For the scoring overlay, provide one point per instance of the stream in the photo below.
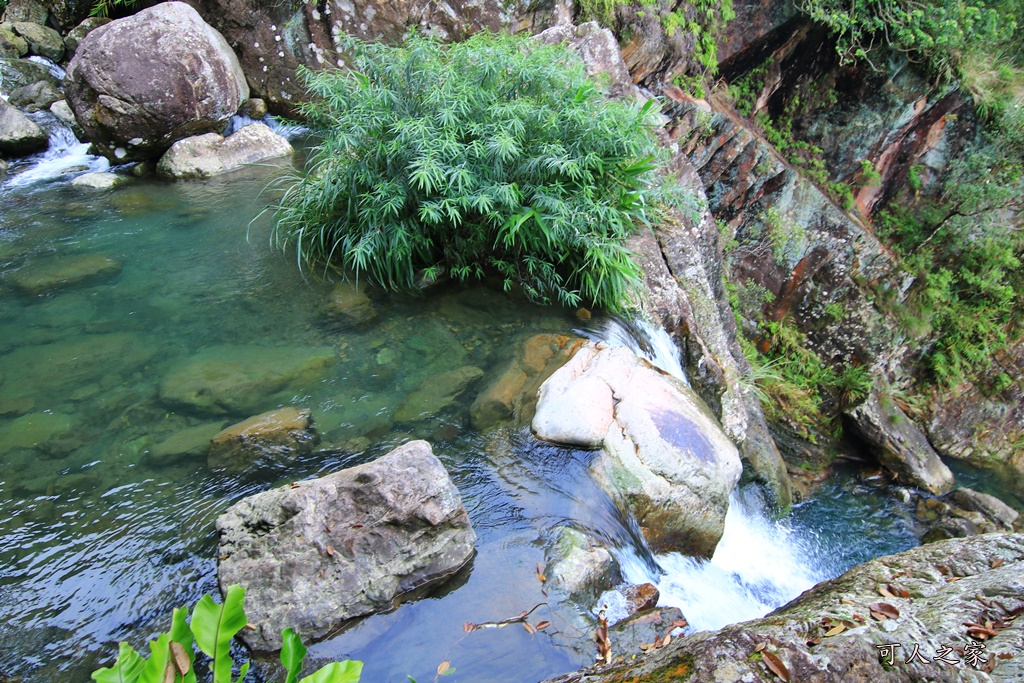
(106, 520)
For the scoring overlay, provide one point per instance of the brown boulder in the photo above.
(139, 84)
(275, 435)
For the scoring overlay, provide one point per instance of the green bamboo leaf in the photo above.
(215, 625)
(292, 654)
(348, 671)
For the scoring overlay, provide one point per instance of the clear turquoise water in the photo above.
(100, 535)
(99, 538)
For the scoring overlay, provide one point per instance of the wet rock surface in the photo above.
(139, 84)
(19, 135)
(318, 552)
(663, 452)
(946, 584)
(277, 436)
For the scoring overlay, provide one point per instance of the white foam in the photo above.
(760, 564)
(64, 159)
(646, 341)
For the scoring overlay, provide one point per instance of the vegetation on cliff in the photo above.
(492, 156)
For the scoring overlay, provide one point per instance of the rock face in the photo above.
(19, 135)
(273, 39)
(277, 435)
(17, 73)
(988, 569)
(12, 46)
(662, 450)
(349, 303)
(579, 565)
(316, 553)
(41, 40)
(203, 156)
(899, 445)
(98, 181)
(237, 380)
(139, 84)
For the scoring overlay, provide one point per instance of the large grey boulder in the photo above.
(316, 553)
(138, 85)
(663, 452)
(203, 156)
(19, 135)
(900, 446)
(76, 35)
(975, 580)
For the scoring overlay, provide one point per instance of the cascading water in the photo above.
(65, 157)
(761, 562)
(643, 339)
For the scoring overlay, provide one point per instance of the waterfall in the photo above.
(289, 131)
(65, 158)
(643, 339)
(759, 564)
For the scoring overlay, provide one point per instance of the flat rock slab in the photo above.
(238, 380)
(316, 553)
(40, 277)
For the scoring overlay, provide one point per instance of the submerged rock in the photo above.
(276, 435)
(47, 275)
(139, 84)
(225, 380)
(34, 430)
(437, 392)
(19, 135)
(899, 445)
(204, 156)
(349, 303)
(975, 580)
(512, 394)
(318, 552)
(184, 443)
(663, 453)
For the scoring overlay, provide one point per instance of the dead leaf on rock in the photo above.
(776, 666)
(543, 625)
(760, 646)
(813, 641)
(443, 667)
(835, 630)
(1004, 655)
(646, 646)
(898, 592)
(884, 592)
(997, 563)
(884, 609)
(530, 628)
(846, 601)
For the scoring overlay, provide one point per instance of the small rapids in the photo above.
(64, 159)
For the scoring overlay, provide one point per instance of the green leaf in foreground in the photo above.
(348, 671)
(292, 654)
(214, 626)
